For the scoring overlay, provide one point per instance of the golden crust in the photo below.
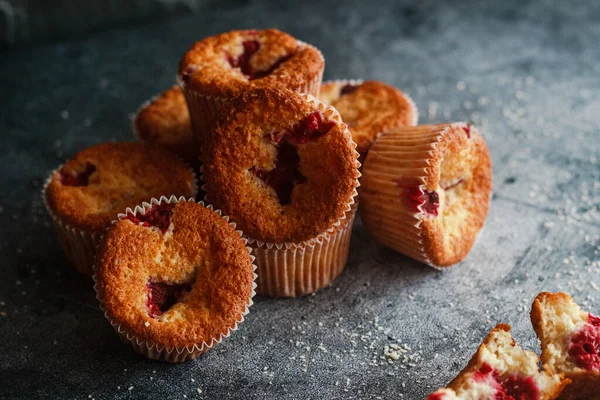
(126, 174)
(165, 121)
(237, 144)
(214, 76)
(475, 361)
(201, 247)
(450, 162)
(369, 109)
(585, 384)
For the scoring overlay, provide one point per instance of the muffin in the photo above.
(174, 278)
(369, 108)
(165, 121)
(283, 166)
(221, 67)
(501, 370)
(425, 191)
(84, 195)
(570, 340)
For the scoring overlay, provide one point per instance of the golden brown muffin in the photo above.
(220, 67)
(165, 121)
(234, 62)
(86, 193)
(425, 191)
(281, 165)
(97, 183)
(175, 276)
(501, 370)
(570, 340)
(369, 108)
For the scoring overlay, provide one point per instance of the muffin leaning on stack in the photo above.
(283, 166)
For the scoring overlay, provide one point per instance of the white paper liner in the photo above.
(154, 350)
(204, 109)
(80, 245)
(301, 259)
(383, 213)
(303, 268)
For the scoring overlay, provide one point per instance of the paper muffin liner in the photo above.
(204, 109)
(298, 269)
(289, 269)
(80, 245)
(156, 351)
(403, 161)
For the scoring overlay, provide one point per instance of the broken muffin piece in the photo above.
(501, 370)
(570, 339)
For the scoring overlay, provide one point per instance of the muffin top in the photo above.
(176, 274)
(165, 121)
(89, 190)
(369, 108)
(281, 164)
(236, 61)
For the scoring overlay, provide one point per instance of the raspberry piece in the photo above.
(347, 89)
(512, 387)
(585, 345)
(80, 179)
(467, 130)
(162, 296)
(158, 216)
(243, 61)
(286, 174)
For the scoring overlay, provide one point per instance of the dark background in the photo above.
(526, 72)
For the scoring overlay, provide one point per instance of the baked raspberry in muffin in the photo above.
(425, 191)
(220, 67)
(165, 121)
(369, 108)
(86, 193)
(174, 278)
(283, 166)
(570, 340)
(501, 370)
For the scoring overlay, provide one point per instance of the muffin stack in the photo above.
(278, 154)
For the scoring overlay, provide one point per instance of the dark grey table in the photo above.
(527, 72)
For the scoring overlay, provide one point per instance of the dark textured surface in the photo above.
(527, 72)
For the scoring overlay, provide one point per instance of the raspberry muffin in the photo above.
(501, 370)
(369, 108)
(165, 121)
(425, 191)
(570, 343)
(221, 67)
(85, 194)
(174, 278)
(283, 166)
